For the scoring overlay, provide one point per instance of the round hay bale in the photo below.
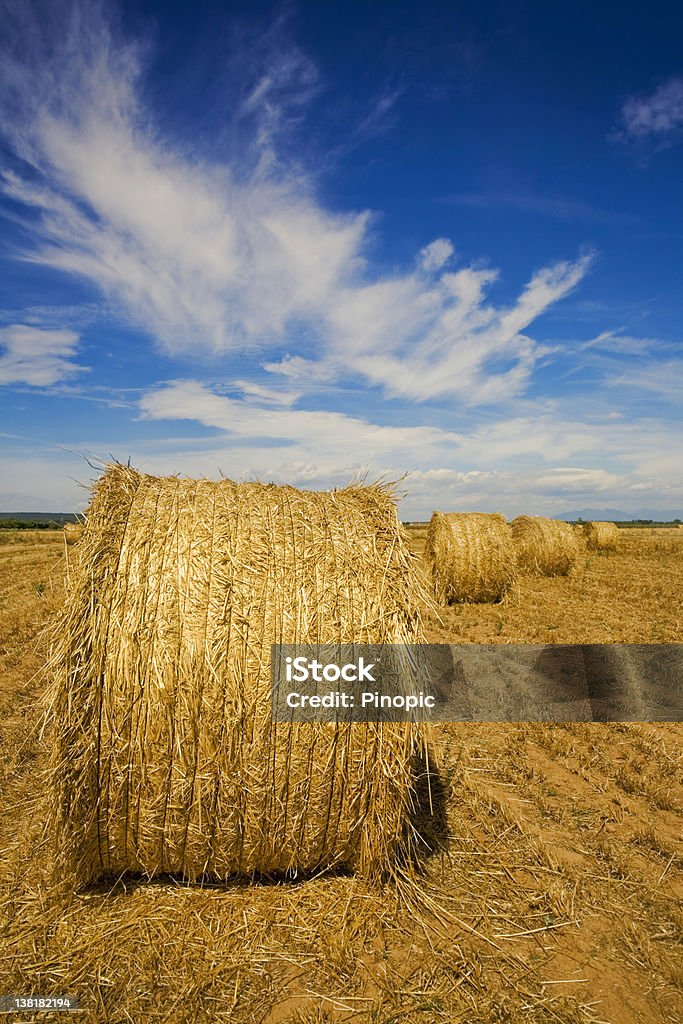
(601, 536)
(547, 547)
(166, 759)
(73, 532)
(470, 556)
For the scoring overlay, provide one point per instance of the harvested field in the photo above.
(631, 595)
(556, 898)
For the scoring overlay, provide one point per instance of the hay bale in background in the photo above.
(579, 537)
(166, 759)
(73, 532)
(470, 556)
(545, 546)
(601, 536)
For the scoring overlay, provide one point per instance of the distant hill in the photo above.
(617, 515)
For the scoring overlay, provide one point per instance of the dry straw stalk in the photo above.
(601, 536)
(470, 556)
(544, 546)
(166, 759)
(73, 532)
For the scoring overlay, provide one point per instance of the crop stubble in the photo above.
(557, 898)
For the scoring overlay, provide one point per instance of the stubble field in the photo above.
(630, 596)
(553, 892)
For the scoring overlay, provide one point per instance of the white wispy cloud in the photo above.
(558, 456)
(436, 254)
(286, 80)
(657, 116)
(622, 344)
(268, 395)
(233, 255)
(422, 339)
(557, 451)
(561, 479)
(378, 118)
(337, 437)
(190, 251)
(663, 379)
(76, 317)
(36, 356)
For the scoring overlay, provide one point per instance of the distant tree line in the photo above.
(634, 523)
(30, 524)
(36, 521)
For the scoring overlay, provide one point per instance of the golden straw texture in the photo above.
(166, 759)
(601, 536)
(547, 547)
(72, 532)
(470, 556)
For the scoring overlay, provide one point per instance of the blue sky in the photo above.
(309, 241)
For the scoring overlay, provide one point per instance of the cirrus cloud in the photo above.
(37, 356)
(238, 253)
(656, 117)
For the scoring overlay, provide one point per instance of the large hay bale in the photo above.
(547, 547)
(470, 556)
(601, 536)
(166, 758)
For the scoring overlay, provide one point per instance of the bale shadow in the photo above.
(428, 818)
